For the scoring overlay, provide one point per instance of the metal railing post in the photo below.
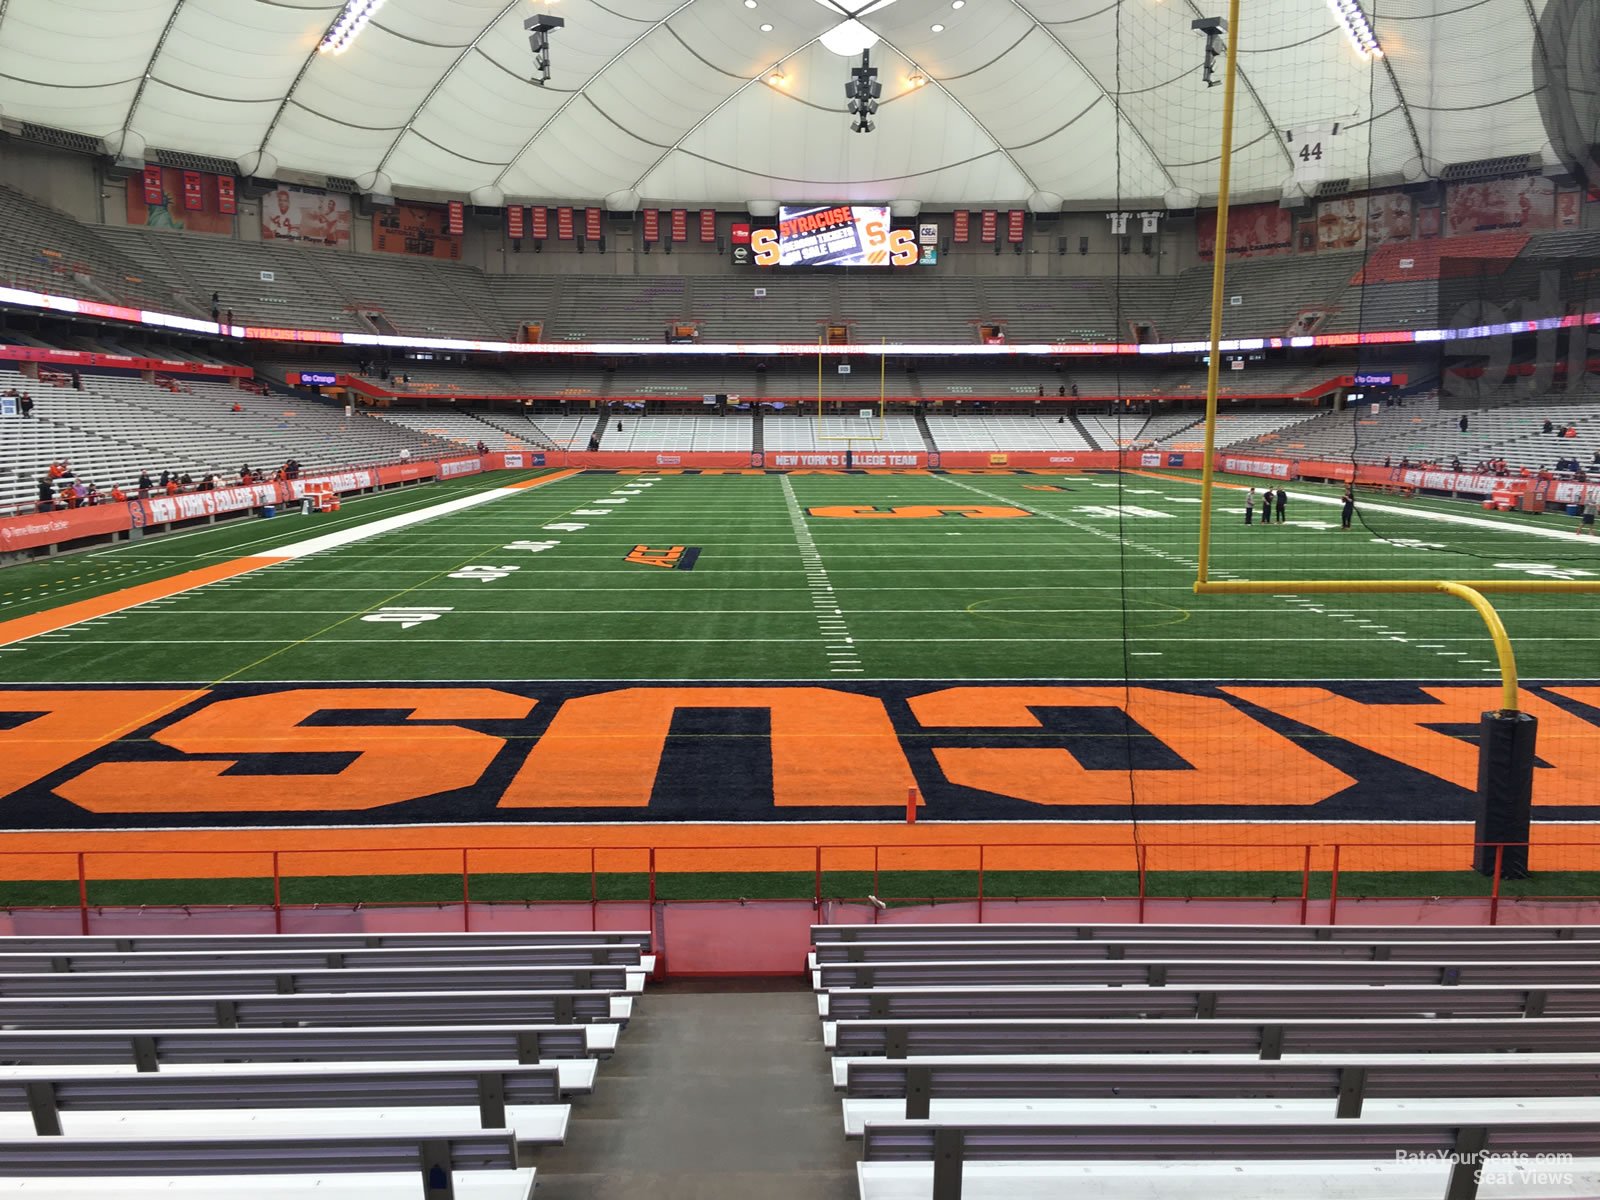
(1305, 886)
(1494, 895)
(1333, 888)
(277, 896)
(83, 897)
(466, 894)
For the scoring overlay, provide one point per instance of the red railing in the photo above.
(1141, 864)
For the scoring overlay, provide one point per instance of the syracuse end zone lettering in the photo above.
(914, 512)
(576, 752)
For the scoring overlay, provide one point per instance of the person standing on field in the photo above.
(1266, 507)
(1250, 507)
(1347, 508)
(1282, 503)
(1586, 524)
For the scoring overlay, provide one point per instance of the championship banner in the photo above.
(652, 224)
(1528, 203)
(680, 224)
(458, 218)
(988, 220)
(1014, 225)
(591, 224)
(708, 224)
(514, 222)
(963, 226)
(564, 224)
(415, 229)
(539, 222)
(167, 201)
(297, 215)
(227, 202)
(1254, 231)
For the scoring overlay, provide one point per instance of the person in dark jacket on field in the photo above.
(1281, 503)
(1347, 507)
(1266, 507)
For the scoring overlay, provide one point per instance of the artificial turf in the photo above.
(1088, 580)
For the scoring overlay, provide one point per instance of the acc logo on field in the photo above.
(673, 558)
(912, 512)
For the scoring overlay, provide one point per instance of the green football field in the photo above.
(1092, 582)
(580, 586)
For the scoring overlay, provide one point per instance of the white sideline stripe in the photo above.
(344, 537)
(1428, 514)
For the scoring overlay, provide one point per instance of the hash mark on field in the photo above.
(830, 618)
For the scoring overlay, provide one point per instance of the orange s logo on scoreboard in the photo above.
(903, 251)
(912, 512)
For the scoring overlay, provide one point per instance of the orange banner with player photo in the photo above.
(1528, 203)
(186, 204)
(1353, 222)
(299, 215)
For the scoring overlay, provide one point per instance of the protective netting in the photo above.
(1464, 458)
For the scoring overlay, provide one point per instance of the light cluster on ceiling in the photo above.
(1213, 28)
(539, 29)
(352, 19)
(863, 91)
(1356, 27)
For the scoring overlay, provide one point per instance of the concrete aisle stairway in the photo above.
(718, 1094)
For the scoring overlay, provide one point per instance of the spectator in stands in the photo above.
(25, 404)
(170, 487)
(79, 494)
(91, 495)
(166, 477)
(1074, 390)
(1347, 506)
(1387, 461)
(483, 446)
(1549, 425)
(245, 474)
(1062, 390)
(1250, 507)
(619, 426)
(1281, 503)
(186, 481)
(144, 485)
(594, 442)
(47, 494)
(1455, 463)
(1462, 424)
(118, 496)
(77, 382)
(237, 407)
(1041, 389)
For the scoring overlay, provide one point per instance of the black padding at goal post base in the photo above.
(1505, 792)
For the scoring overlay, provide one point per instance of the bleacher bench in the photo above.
(383, 958)
(324, 981)
(337, 1008)
(1270, 1039)
(1347, 1082)
(1455, 1151)
(1144, 949)
(97, 1162)
(918, 932)
(1400, 1000)
(1122, 973)
(158, 1049)
(177, 943)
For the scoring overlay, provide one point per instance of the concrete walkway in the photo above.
(713, 1093)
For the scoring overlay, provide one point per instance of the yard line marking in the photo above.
(830, 621)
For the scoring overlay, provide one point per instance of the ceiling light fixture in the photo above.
(917, 79)
(958, 4)
(766, 29)
(352, 19)
(1357, 28)
(938, 28)
(777, 79)
(863, 91)
(539, 30)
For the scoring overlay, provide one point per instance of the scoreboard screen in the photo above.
(833, 235)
